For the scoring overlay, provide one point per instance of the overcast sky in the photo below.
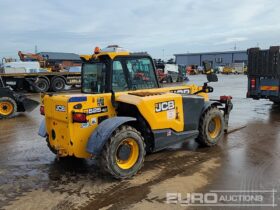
(158, 27)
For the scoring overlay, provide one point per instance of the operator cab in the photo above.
(116, 69)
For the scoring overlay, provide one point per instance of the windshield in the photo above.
(141, 72)
(93, 80)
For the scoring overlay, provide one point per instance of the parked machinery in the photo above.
(35, 73)
(12, 102)
(168, 72)
(264, 74)
(35, 57)
(192, 69)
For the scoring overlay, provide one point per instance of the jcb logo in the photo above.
(181, 91)
(60, 108)
(164, 106)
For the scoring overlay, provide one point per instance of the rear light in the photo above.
(225, 98)
(42, 110)
(79, 117)
(253, 83)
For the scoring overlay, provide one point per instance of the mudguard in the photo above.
(207, 104)
(102, 133)
(42, 129)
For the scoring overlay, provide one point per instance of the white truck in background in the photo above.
(27, 75)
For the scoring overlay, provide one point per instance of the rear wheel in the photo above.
(123, 154)
(211, 127)
(42, 85)
(8, 107)
(57, 84)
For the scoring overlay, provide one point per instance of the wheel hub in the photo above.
(42, 86)
(59, 85)
(124, 152)
(212, 126)
(6, 108)
(127, 153)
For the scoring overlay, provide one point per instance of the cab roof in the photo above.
(112, 51)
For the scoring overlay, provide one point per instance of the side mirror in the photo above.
(212, 77)
(207, 66)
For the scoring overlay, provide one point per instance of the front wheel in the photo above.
(211, 127)
(123, 154)
(8, 107)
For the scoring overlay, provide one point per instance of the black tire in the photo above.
(57, 84)
(8, 107)
(109, 160)
(211, 127)
(42, 85)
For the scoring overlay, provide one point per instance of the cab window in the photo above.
(93, 78)
(119, 82)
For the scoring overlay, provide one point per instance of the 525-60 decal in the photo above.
(97, 110)
(164, 106)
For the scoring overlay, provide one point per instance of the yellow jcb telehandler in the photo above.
(122, 113)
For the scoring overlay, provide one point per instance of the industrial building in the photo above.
(215, 58)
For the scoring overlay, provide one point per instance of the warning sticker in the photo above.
(171, 114)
